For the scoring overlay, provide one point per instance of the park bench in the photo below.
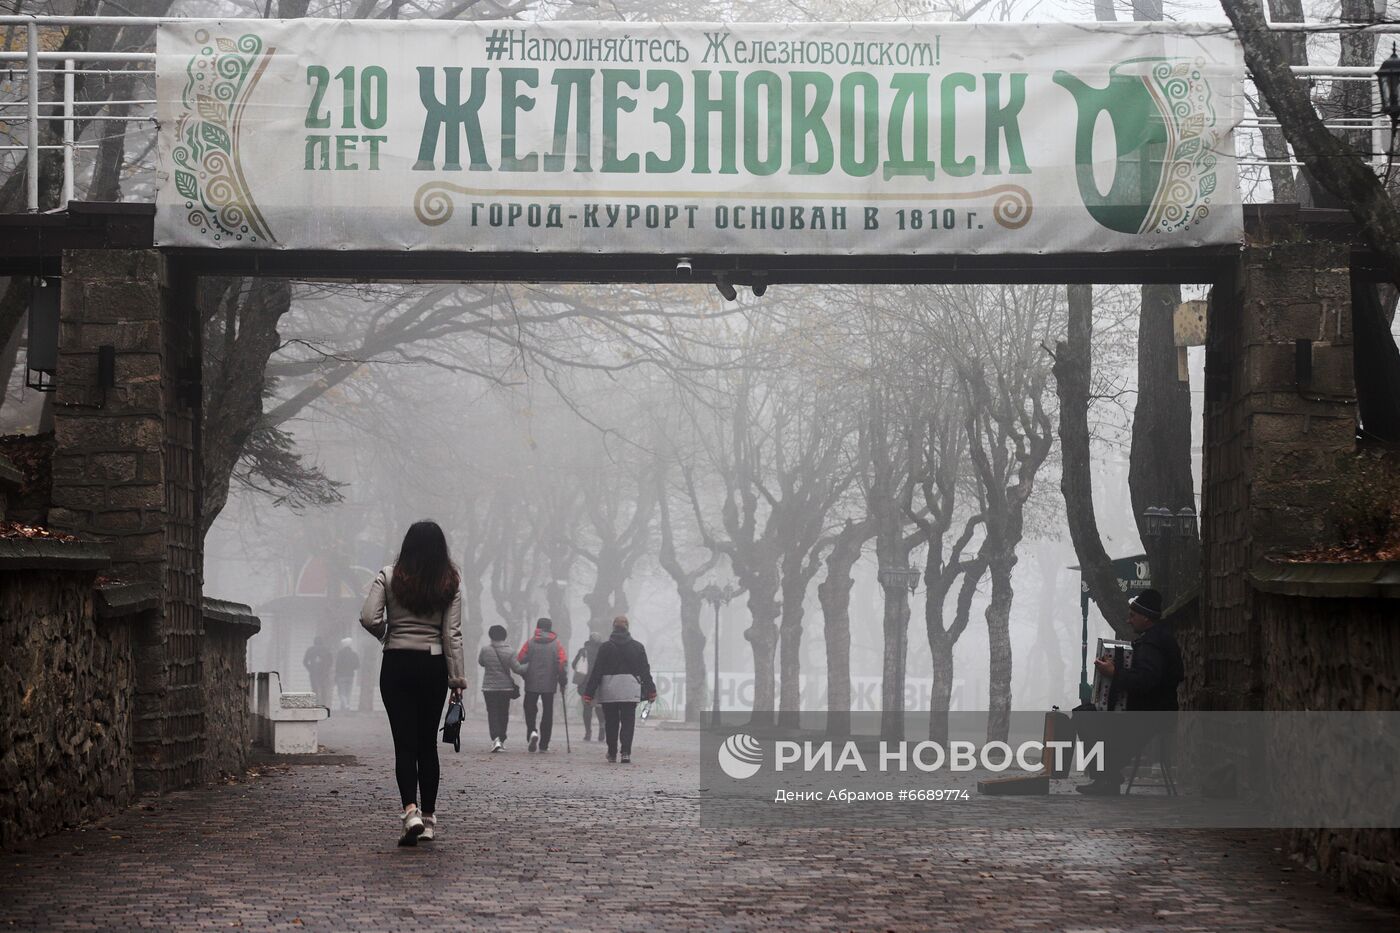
(283, 722)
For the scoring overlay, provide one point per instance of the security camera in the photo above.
(683, 266)
(726, 289)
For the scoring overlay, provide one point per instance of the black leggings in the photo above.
(414, 687)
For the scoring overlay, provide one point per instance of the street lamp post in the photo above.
(717, 596)
(1173, 532)
(1388, 79)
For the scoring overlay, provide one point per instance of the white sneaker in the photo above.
(429, 826)
(497, 745)
(534, 741)
(412, 828)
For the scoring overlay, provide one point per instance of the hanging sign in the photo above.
(584, 137)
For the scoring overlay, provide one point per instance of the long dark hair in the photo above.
(425, 581)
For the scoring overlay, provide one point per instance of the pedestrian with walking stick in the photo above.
(546, 670)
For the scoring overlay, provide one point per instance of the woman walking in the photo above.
(415, 609)
(498, 688)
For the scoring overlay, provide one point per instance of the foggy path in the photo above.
(567, 841)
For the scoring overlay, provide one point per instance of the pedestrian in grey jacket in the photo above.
(498, 687)
(548, 672)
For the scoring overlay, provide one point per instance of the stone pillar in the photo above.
(124, 472)
(1272, 444)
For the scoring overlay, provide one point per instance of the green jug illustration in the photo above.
(1140, 147)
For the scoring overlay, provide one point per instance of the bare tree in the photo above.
(687, 580)
(1009, 438)
(618, 506)
(1073, 373)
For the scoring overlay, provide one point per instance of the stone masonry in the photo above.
(1272, 444)
(124, 473)
(1281, 453)
(65, 704)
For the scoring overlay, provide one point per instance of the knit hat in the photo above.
(1147, 603)
(544, 625)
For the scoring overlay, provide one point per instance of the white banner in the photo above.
(684, 139)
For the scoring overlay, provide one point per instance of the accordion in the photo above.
(1105, 696)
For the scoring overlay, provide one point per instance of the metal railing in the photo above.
(71, 63)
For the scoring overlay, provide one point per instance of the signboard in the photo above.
(1134, 575)
(579, 137)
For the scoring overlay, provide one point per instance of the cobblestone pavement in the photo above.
(568, 841)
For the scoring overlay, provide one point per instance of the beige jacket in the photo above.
(397, 627)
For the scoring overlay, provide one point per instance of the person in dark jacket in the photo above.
(546, 671)
(347, 662)
(498, 662)
(620, 679)
(318, 662)
(1149, 682)
(583, 666)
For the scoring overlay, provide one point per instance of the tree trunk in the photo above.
(693, 645)
(473, 617)
(1281, 177)
(999, 641)
(238, 342)
(834, 594)
(1159, 460)
(794, 587)
(1072, 379)
(762, 635)
(557, 599)
(940, 646)
(1049, 662)
(892, 670)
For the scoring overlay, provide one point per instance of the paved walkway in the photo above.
(556, 841)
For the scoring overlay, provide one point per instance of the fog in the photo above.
(555, 432)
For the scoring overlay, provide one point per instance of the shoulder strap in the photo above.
(505, 668)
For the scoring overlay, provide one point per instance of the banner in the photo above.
(582, 137)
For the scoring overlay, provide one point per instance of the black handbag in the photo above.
(505, 668)
(452, 725)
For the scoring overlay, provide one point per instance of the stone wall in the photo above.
(1280, 468)
(227, 732)
(1272, 443)
(1337, 654)
(65, 704)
